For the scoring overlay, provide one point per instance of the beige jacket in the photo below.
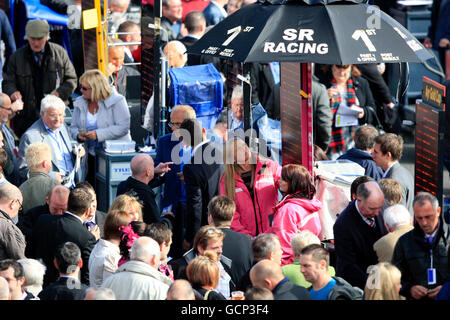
(384, 247)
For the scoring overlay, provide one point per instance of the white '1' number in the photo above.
(365, 38)
(235, 31)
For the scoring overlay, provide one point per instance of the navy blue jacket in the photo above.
(213, 14)
(172, 183)
(365, 160)
(354, 239)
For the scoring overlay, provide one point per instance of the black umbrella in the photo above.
(320, 31)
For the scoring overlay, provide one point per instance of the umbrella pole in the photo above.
(296, 114)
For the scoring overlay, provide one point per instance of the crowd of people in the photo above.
(229, 221)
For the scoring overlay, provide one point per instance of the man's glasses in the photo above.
(9, 109)
(174, 124)
(20, 204)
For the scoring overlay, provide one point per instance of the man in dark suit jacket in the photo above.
(137, 185)
(357, 228)
(195, 23)
(56, 204)
(68, 262)
(96, 218)
(220, 214)
(54, 230)
(267, 274)
(201, 176)
(174, 193)
(362, 152)
(387, 153)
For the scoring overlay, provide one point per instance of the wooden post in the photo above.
(296, 114)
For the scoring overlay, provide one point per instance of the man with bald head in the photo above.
(175, 52)
(170, 148)
(268, 274)
(142, 172)
(139, 278)
(12, 240)
(55, 203)
(357, 228)
(180, 290)
(7, 112)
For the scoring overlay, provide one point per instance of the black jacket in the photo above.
(412, 257)
(179, 267)
(145, 195)
(28, 221)
(64, 289)
(34, 82)
(286, 290)
(362, 90)
(354, 239)
(53, 230)
(212, 295)
(202, 184)
(237, 247)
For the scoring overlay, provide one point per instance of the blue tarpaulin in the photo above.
(32, 9)
(201, 87)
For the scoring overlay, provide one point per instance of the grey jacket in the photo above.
(12, 240)
(36, 189)
(406, 180)
(38, 133)
(321, 115)
(343, 290)
(113, 120)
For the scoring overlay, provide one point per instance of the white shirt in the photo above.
(366, 220)
(81, 220)
(128, 53)
(103, 262)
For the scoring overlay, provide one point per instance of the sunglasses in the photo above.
(214, 230)
(84, 88)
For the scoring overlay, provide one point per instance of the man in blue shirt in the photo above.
(314, 262)
(50, 129)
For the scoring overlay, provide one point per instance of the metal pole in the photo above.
(157, 67)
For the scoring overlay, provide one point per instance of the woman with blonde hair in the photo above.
(251, 181)
(99, 114)
(383, 283)
(128, 204)
(203, 274)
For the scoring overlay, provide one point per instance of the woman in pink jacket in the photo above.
(252, 182)
(297, 211)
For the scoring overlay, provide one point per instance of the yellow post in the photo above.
(95, 52)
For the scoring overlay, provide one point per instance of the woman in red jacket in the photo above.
(297, 211)
(252, 182)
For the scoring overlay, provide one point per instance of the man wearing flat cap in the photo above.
(38, 68)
